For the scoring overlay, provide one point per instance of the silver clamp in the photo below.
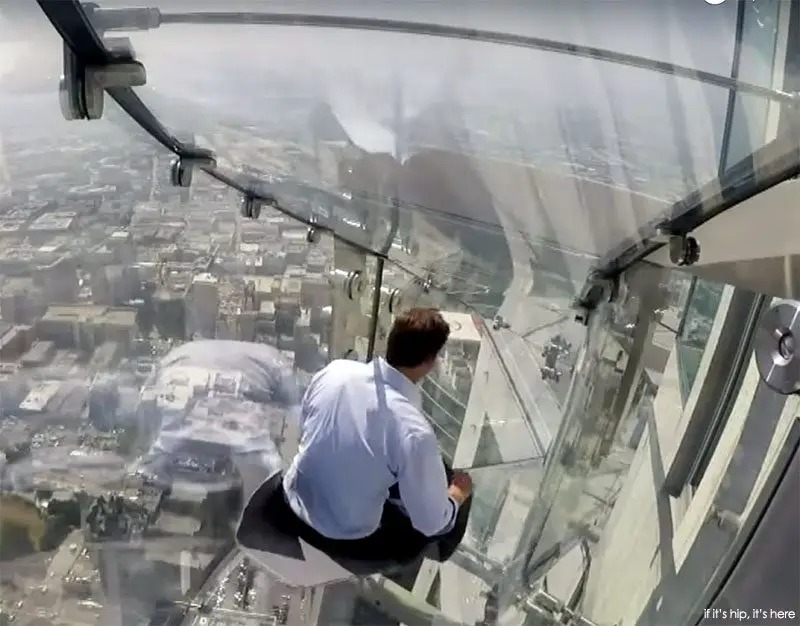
(250, 205)
(549, 609)
(314, 232)
(684, 250)
(725, 520)
(425, 284)
(596, 290)
(182, 168)
(776, 344)
(391, 300)
(81, 88)
(349, 283)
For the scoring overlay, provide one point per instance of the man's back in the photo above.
(358, 423)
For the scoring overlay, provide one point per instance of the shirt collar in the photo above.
(399, 382)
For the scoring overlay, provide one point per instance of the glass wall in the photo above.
(137, 311)
(695, 329)
(758, 26)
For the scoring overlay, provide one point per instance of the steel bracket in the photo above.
(250, 205)
(351, 284)
(684, 250)
(597, 290)
(82, 87)
(550, 609)
(182, 168)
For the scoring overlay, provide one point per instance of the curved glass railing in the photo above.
(391, 159)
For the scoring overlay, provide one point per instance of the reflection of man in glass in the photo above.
(368, 481)
(209, 408)
(213, 403)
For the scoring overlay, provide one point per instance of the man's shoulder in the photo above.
(344, 364)
(343, 368)
(339, 373)
(410, 420)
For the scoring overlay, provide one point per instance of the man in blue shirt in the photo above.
(368, 481)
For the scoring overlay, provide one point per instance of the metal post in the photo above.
(348, 284)
(376, 307)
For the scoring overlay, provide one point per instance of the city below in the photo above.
(107, 267)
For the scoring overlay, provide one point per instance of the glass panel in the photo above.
(602, 534)
(70, 290)
(491, 155)
(268, 286)
(670, 572)
(468, 398)
(706, 48)
(481, 426)
(701, 309)
(608, 408)
(118, 492)
(118, 431)
(502, 497)
(679, 288)
(748, 116)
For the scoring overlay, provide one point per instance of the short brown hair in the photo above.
(417, 336)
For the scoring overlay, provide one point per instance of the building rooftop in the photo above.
(205, 277)
(462, 327)
(38, 397)
(90, 313)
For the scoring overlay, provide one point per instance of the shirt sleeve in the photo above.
(423, 487)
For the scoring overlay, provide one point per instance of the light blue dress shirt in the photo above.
(362, 431)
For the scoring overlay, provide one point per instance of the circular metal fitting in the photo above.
(351, 284)
(93, 99)
(80, 100)
(354, 286)
(684, 250)
(777, 348)
(313, 235)
(249, 207)
(391, 300)
(68, 100)
(181, 173)
(395, 301)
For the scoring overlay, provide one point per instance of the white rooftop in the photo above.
(462, 327)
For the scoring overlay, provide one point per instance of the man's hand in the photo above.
(461, 487)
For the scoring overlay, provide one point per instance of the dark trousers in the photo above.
(394, 540)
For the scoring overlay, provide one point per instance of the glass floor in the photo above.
(175, 173)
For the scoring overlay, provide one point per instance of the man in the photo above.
(363, 435)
